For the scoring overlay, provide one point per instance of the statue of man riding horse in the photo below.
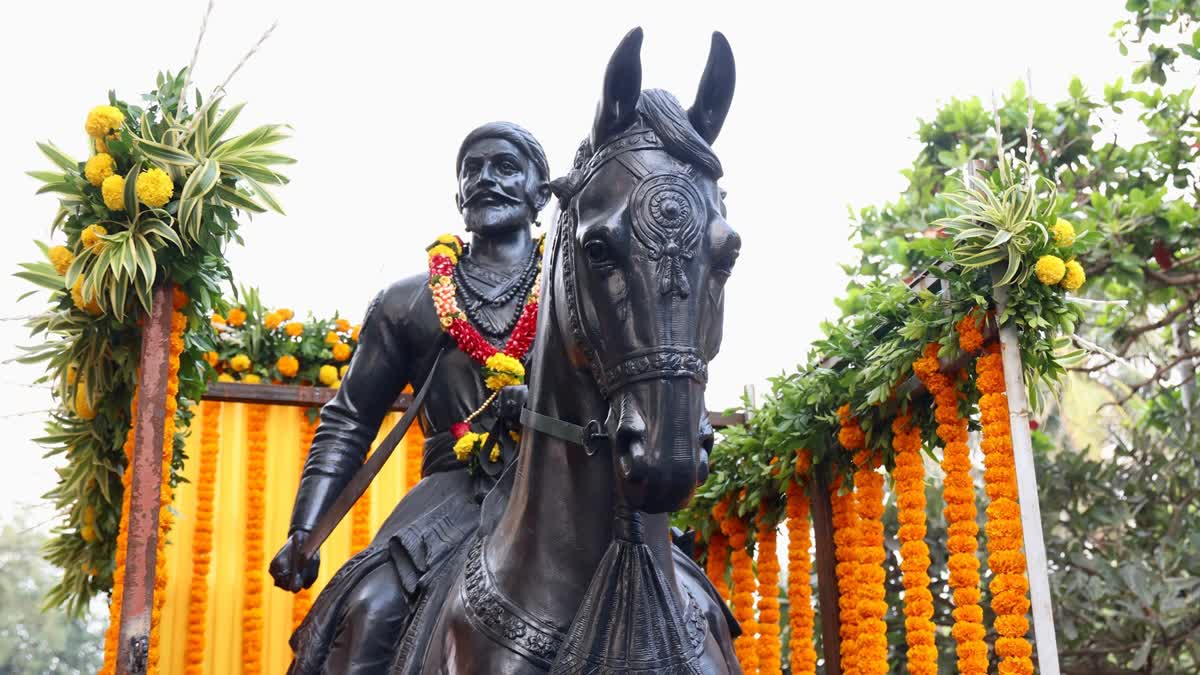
(557, 558)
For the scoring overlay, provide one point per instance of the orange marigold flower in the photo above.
(341, 351)
(294, 329)
(288, 365)
(237, 317)
(331, 338)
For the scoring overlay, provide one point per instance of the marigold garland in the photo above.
(718, 563)
(744, 587)
(252, 611)
(909, 475)
(961, 528)
(302, 600)
(872, 647)
(112, 635)
(206, 484)
(799, 584)
(1005, 559)
(846, 539)
(770, 656)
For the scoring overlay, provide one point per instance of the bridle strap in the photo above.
(590, 437)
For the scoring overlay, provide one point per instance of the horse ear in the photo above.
(622, 89)
(716, 90)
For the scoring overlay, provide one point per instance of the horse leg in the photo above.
(366, 639)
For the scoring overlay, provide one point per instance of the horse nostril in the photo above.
(632, 460)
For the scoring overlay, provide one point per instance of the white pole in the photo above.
(1031, 512)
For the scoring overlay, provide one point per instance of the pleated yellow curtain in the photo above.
(226, 576)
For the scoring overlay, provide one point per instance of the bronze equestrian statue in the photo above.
(354, 625)
(572, 569)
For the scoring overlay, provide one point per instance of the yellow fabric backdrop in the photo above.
(225, 579)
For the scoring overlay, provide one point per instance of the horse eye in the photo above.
(596, 250)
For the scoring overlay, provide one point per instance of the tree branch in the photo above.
(1169, 317)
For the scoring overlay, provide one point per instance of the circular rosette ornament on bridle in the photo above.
(667, 212)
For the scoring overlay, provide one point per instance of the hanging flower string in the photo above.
(744, 587)
(871, 658)
(206, 485)
(846, 539)
(909, 475)
(718, 562)
(799, 584)
(962, 531)
(770, 657)
(112, 635)
(1009, 584)
(256, 480)
(501, 368)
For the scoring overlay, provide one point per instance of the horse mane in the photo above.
(659, 111)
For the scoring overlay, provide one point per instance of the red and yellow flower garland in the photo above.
(744, 587)
(800, 609)
(914, 552)
(1009, 584)
(302, 600)
(112, 635)
(252, 597)
(206, 484)
(770, 657)
(961, 528)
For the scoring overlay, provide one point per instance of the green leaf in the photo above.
(47, 176)
(59, 157)
(132, 208)
(222, 125)
(202, 180)
(238, 199)
(164, 153)
(263, 194)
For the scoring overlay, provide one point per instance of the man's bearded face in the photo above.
(496, 185)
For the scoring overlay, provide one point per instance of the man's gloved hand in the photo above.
(289, 569)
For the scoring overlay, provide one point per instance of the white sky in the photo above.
(380, 95)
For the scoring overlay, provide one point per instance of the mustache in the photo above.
(487, 192)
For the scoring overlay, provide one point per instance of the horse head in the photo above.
(643, 251)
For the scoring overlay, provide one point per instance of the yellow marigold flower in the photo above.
(237, 316)
(88, 305)
(272, 321)
(285, 313)
(90, 237)
(337, 384)
(1074, 277)
(154, 187)
(84, 407)
(103, 121)
(450, 240)
(342, 325)
(224, 377)
(442, 249)
(72, 374)
(1050, 269)
(465, 445)
(294, 329)
(341, 352)
(113, 191)
(355, 331)
(327, 375)
(1064, 233)
(98, 168)
(101, 146)
(342, 371)
(88, 532)
(331, 338)
(251, 378)
(61, 257)
(240, 363)
(211, 358)
(502, 370)
(288, 365)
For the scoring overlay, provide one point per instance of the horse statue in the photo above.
(574, 569)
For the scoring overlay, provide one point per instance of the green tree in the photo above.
(33, 641)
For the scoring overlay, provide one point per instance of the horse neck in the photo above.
(559, 520)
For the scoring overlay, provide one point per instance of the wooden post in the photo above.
(827, 586)
(1031, 512)
(146, 481)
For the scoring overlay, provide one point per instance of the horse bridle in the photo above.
(668, 216)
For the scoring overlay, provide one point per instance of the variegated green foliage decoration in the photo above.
(100, 281)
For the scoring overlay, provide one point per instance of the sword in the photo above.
(367, 472)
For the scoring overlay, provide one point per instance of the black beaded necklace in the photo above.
(474, 299)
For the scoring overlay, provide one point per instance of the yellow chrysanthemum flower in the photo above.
(465, 445)
(341, 352)
(61, 257)
(113, 191)
(103, 121)
(294, 329)
(154, 187)
(285, 313)
(1050, 269)
(225, 377)
(288, 365)
(240, 363)
(272, 321)
(237, 317)
(502, 370)
(1064, 233)
(98, 168)
(101, 146)
(251, 378)
(327, 375)
(83, 404)
(88, 305)
(1074, 277)
(90, 237)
